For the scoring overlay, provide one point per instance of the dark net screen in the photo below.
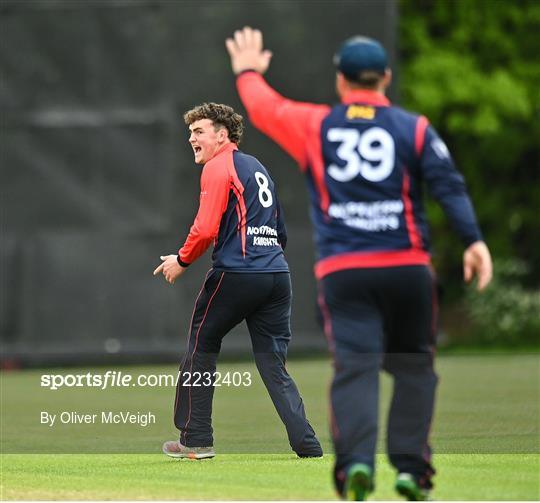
(98, 179)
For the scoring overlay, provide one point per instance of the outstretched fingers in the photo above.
(245, 39)
(240, 39)
(257, 40)
(232, 48)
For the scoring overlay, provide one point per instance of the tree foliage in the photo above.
(473, 68)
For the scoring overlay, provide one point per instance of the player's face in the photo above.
(205, 140)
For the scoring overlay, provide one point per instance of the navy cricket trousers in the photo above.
(381, 318)
(225, 300)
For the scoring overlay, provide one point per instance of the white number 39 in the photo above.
(371, 154)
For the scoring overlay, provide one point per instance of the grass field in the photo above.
(249, 476)
(485, 438)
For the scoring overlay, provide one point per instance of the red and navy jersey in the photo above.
(366, 163)
(240, 214)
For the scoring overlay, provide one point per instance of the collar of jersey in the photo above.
(366, 97)
(228, 147)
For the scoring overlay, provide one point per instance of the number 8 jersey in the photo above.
(240, 214)
(365, 163)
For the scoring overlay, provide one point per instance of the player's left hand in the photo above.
(170, 268)
(477, 262)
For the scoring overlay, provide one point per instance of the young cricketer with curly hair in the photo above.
(240, 215)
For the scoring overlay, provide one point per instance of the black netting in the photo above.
(97, 179)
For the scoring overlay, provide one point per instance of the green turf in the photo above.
(485, 436)
(248, 476)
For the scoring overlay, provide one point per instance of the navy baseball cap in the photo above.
(358, 54)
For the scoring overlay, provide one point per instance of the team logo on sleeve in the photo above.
(440, 148)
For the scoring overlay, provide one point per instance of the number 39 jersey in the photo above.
(240, 214)
(370, 197)
(365, 163)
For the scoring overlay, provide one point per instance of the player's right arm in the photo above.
(285, 121)
(213, 200)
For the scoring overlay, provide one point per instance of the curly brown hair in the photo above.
(221, 116)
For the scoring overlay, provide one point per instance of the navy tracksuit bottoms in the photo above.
(225, 300)
(381, 318)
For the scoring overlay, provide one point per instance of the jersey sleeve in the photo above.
(285, 121)
(446, 184)
(214, 197)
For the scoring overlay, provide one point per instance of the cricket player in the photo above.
(366, 162)
(240, 215)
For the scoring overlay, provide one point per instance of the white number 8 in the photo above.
(265, 196)
(352, 144)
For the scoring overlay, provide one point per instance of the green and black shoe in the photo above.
(359, 482)
(407, 486)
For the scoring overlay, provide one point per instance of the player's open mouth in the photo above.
(197, 149)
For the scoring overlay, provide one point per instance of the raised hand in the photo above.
(246, 51)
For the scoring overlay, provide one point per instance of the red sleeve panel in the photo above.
(287, 122)
(215, 187)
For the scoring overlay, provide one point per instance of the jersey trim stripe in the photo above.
(359, 260)
(238, 189)
(316, 163)
(241, 211)
(412, 230)
(239, 216)
(420, 134)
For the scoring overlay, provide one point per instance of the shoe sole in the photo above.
(358, 484)
(191, 455)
